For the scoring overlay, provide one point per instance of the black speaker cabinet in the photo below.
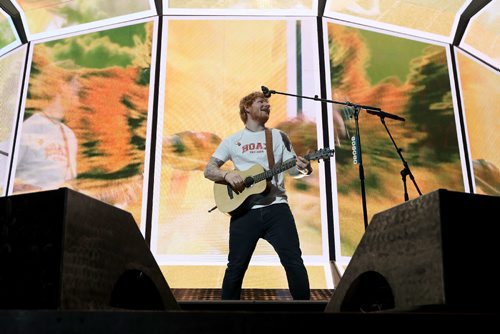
(60, 249)
(437, 251)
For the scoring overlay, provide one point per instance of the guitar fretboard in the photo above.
(275, 170)
(320, 154)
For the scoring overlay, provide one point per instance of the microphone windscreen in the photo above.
(266, 91)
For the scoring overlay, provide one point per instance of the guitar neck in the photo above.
(320, 154)
(275, 170)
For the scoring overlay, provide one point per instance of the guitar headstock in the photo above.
(323, 153)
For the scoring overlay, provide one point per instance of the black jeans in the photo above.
(274, 223)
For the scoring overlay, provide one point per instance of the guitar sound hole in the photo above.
(249, 181)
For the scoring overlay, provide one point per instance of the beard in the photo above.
(260, 116)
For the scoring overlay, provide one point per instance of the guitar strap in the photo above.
(269, 147)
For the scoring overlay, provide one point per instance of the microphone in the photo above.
(266, 91)
(381, 113)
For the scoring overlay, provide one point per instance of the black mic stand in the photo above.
(406, 170)
(357, 108)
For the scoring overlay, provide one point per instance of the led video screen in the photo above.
(8, 34)
(240, 4)
(480, 91)
(481, 37)
(86, 113)
(432, 18)
(11, 74)
(209, 66)
(48, 16)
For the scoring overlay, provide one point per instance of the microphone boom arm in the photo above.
(369, 109)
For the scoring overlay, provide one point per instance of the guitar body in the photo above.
(256, 181)
(228, 201)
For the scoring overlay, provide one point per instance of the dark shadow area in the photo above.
(369, 292)
(135, 291)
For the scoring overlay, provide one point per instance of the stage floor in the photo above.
(247, 294)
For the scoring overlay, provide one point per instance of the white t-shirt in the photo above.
(47, 154)
(246, 148)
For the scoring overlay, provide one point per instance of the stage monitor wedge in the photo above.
(435, 252)
(61, 249)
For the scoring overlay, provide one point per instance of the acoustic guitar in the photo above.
(230, 202)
